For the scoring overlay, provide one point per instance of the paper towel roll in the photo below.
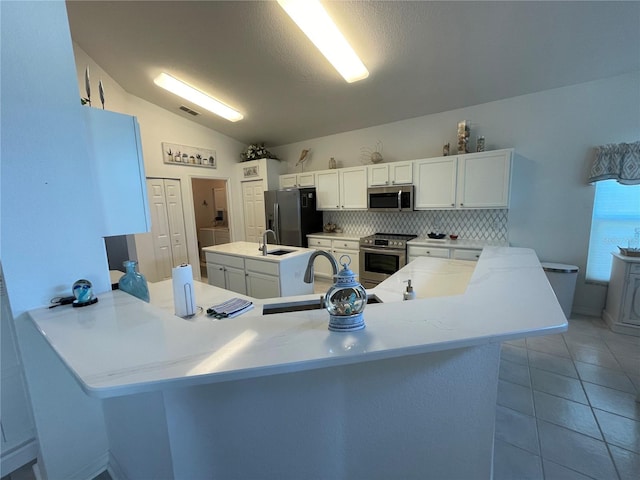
(183, 295)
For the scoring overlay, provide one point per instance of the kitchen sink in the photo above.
(315, 304)
(279, 252)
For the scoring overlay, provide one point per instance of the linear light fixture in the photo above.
(196, 96)
(316, 24)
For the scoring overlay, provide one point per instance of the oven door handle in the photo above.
(400, 200)
(381, 250)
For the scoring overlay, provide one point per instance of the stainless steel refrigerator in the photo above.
(292, 214)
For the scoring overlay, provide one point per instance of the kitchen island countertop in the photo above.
(250, 250)
(507, 297)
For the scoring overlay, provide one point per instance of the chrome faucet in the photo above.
(308, 274)
(263, 248)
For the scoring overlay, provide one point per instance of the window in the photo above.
(616, 215)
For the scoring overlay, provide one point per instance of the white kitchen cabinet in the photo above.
(483, 180)
(435, 183)
(622, 310)
(337, 247)
(475, 180)
(263, 278)
(343, 189)
(118, 166)
(298, 180)
(251, 275)
(386, 174)
(226, 271)
(465, 254)
(415, 251)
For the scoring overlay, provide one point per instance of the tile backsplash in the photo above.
(471, 224)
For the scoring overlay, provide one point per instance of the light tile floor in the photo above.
(567, 406)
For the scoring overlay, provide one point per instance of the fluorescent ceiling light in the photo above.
(196, 96)
(314, 21)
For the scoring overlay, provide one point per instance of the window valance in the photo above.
(620, 162)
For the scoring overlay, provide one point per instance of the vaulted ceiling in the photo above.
(423, 57)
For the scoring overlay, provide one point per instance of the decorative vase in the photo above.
(133, 282)
(345, 301)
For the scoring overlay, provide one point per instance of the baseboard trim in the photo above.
(618, 327)
(115, 470)
(18, 457)
(589, 312)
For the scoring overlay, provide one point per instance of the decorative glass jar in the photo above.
(133, 282)
(345, 300)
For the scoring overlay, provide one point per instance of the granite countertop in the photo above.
(250, 250)
(122, 345)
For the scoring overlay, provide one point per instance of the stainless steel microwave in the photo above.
(390, 199)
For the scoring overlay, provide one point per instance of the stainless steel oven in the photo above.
(382, 255)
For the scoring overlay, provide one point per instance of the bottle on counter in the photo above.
(133, 282)
(409, 294)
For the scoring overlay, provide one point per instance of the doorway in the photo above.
(210, 206)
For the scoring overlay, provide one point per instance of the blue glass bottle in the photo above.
(133, 282)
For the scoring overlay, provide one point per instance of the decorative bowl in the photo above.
(437, 236)
(453, 237)
(630, 252)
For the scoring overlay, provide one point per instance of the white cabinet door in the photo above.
(114, 140)
(354, 255)
(353, 188)
(306, 180)
(378, 175)
(472, 255)
(235, 280)
(253, 206)
(328, 190)
(175, 216)
(288, 181)
(215, 275)
(484, 180)
(435, 183)
(261, 285)
(401, 173)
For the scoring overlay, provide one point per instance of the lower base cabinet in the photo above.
(337, 247)
(415, 251)
(622, 309)
(258, 278)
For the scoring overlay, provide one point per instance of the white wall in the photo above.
(50, 237)
(553, 133)
(158, 125)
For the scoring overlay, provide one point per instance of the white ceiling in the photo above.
(423, 57)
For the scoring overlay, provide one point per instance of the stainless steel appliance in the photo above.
(382, 255)
(390, 199)
(292, 214)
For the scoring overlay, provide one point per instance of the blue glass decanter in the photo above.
(133, 282)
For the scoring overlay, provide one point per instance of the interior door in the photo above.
(175, 215)
(160, 228)
(253, 206)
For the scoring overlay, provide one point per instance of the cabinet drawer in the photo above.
(319, 242)
(416, 251)
(346, 244)
(467, 254)
(226, 260)
(261, 266)
(635, 268)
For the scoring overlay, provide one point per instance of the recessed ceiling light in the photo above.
(316, 24)
(196, 96)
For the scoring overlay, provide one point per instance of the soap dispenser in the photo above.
(409, 294)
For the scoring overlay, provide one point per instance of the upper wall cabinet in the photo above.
(484, 180)
(116, 156)
(342, 189)
(477, 180)
(385, 174)
(298, 180)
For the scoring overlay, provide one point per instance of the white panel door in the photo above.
(160, 228)
(175, 215)
(253, 205)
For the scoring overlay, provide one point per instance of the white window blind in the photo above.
(616, 215)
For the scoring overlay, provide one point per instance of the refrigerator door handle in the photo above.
(276, 221)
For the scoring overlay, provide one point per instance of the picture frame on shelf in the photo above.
(175, 154)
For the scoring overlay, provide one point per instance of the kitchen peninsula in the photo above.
(410, 396)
